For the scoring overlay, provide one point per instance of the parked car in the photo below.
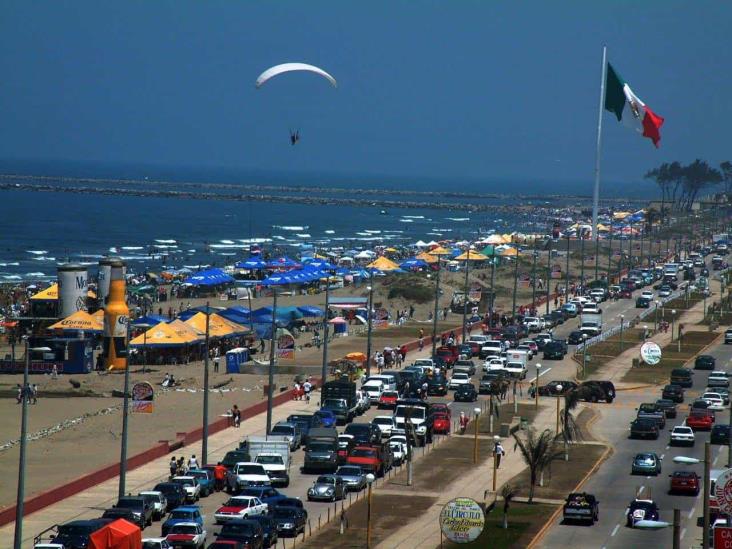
(75, 534)
(574, 337)
(441, 423)
(266, 494)
(205, 480)
(157, 501)
(186, 513)
(240, 507)
(728, 336)
(290, 521)
(289, 430)
(353, 477)
(388, 399)
(640, 509)
(269, 530)
(681, 435)
(684, 482)
(247, 531)
(142, 510)
(458, 379)
(705, 362)
(673, 392)
(186, 535)
(175, 495)
(720, 434)
(668, 407)
(436, 386)
(465, 393)
(644, 428)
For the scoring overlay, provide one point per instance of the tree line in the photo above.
(681, 184)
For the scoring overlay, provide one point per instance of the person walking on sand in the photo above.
(307, 387)
(34, 393)
(463, 422)
(421, 344)
(236, 415)
(193, 462)
(498, 451)
(173, 466)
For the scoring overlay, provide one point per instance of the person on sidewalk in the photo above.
(236, 415)
(219, 476)
(307, 387)
(173, 467)
(463, 422)
(498, 452)
(193, 462)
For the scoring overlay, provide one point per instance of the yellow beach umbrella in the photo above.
(440, 251)
(80, 320)
(429, 258)
(164, 335)
(383, 264)
(471, 256)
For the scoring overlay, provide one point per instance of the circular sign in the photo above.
(650, 353)
(462, 520)
(723, 491)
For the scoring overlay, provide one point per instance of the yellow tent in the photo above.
(164, 335)
(51, 294)
(494, 239)
(621, 215)
(180, 327)
(507, 238)
(391, 250)
(99, 313)
(80, 320)
(472, 256)
(383, 264)
(217, 325)
(509, 252)
(440, 251)
(602, 228)
(424, 256)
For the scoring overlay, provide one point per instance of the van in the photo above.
(682, 377)
(516, 369)
(373, 388)
(491, 348)
(390, 383)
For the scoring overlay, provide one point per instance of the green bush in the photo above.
(413, 292)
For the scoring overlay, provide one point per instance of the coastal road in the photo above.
(615, 487)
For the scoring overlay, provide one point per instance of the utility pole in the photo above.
(19, 502)
(204, 436)
(515, 282)
(370, 322)
(566, 284)
(548, 272)
(705, 495)
(125, 421)
(467, 294)
(582, 258)
(272, 356)
(533, 277)
(324, 369)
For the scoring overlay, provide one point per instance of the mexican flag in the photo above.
(629, 109)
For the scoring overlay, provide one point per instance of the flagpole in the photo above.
(596, 193)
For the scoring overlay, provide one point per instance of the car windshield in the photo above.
(664, 402)
(181, 515)
(184, 481)
(183, 529)
(198, 474)
(647, 505)
(284, 512)
(645, 458)
(383, 421)
(319, 447)
(237, 528)
(647, 408)
(250, 470)
(129, 503)
(74, 529)
(237, 502)
(281, 430)
(390, 394)
(269, 460)
(349, 471)
(325, 480)
(363, 452)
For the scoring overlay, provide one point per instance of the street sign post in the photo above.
(462, 520)
(722, 537)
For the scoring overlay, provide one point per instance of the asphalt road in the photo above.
(300, 482)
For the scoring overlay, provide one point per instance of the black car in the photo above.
(682, 376)
(465, 393)
(644, 428)
(596, 390)
(673, 392)
(306, 422)
(75, 534)
(554, 350)
(642, 303)
(437, 386)
(174, 493)
(705, 362)
(121, 513)
(364, 433)
(247, 531)
(720, 434)
(668, 407)
(574, 337)
(553, 388)
(558, 317)
(728, 336)
(641, 509)
(269, 528)
(142, 509)
(292, 502)
(290, 521)
(235, 456)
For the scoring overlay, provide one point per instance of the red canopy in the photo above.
(119, 534)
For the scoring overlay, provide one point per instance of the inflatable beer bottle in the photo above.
(116, 317)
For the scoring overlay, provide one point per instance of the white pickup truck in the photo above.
(591, 324)
(246, 473)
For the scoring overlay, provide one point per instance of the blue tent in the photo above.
(235, 316)
(185, 315)
(413, 263)
(278, 279)
(209, 277)
(319, 264)
(284, 313)
(149, 321)
(311, 310)
(283, 262)
(238, 309)
(253, 263)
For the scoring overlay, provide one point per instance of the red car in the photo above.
(369, 458)
(441, 408)
(684, 482)
(700, 422)
(441, 424)
(388, 399)
(625, 293)
(494, 333)
(474, 347)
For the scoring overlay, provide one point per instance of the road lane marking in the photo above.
(663, 456)
(683, 533)
(667, 447)
(615, 530)
(544, 372)
(691, 513)
(716, 459)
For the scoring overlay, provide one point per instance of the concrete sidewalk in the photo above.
(90, 503)
(425, 530)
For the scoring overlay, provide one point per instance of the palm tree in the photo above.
(508, 492)
(695, 177)
(726, 168)
(537, 451)
(570, 430)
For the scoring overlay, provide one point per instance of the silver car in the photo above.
(353, 477)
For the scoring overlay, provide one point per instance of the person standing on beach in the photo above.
(173, 466)
(193, 462)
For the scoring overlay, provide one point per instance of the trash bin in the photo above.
(524, 424)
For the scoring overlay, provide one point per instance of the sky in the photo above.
(450, 90)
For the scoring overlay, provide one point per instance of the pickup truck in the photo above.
(322, 452)
(581, 507)
(651, 410)
(274, 455)
(591, 324)
(190, 485)
(205, 481)
(246, 474)
(340, 397)
(141, 509)
(339, 408)
(187, 534)
(157, 501)
(418, 411)
(376, 459)
(448, 354)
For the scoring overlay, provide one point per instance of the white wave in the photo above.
(329, 231)
(406, 220)
(226, 246)
(303, 235)
(90, 256)
(226, 253)
(113, 250)
(166, 246)
(39, 273)
(11, 277)
(196, 266)
(371, 232)
(226, 241)
(37, 252)
(458, 218)
(131, 248)
(278, 237)
(44, 258)
(10, 264)
(165, 241)
(191, 251)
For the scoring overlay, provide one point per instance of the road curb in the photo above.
(540, 535)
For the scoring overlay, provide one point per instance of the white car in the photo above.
(424, 362)
(494, 364)
(190, 485)
(158, 500)
(533, 324)
(598, 294)
(247, 473)
(364, 402)
(152, 543)
(191, 534)
(385, 424)
(665, 291)
(715, 401)
(682, 435)
(648, 294)
(591, 308)
(373, 388)
(458, 379)
(240, 507)
(718, 379)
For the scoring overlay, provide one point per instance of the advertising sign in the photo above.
(722, 537)
(723, 492)
(462, 520)
(285, 345)
(650, 353)
(381, 318)
(142, 398)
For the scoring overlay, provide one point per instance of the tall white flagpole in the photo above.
(596, 193)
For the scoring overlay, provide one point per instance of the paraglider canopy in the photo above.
(289, 67)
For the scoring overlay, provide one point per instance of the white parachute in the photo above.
(289, 67)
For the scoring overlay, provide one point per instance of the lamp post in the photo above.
(645, 332)
(548, 273)
(125, 415)
(705, 495)
(559, 396)
(204, 436)
(370, 323)
(533, 277)
(272, 355)
(324, 369)
(655, 322)
(673, 321)
(467, 294)
(496, 440)
(622, 319)
(18, 539)
(566, 281)
(597, 255)
(536, 387)
(515, 282)
(582, 257)
(475, 444)
(584, 355)
(369, 480)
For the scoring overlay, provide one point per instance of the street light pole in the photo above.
(19, 503)
(566, 283)
(622, 319)
(582, 258)
(475, 443)
(204, 436)
(673, 322)
(437, 306)
(369, 480)
(125, 419)
(705, 495)
(515, 283)
(467, 295)
(496, 439)
(655, 321)
(548, 273)
(370, 323)
(584, 355)
(533, 278)
(272, 355)
(324, 369)
(536, 387)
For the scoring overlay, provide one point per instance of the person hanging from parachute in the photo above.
(294, 137)
(290, 67)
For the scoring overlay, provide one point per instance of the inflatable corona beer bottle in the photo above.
(116, 316)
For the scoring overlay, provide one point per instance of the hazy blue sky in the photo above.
(445, 89)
